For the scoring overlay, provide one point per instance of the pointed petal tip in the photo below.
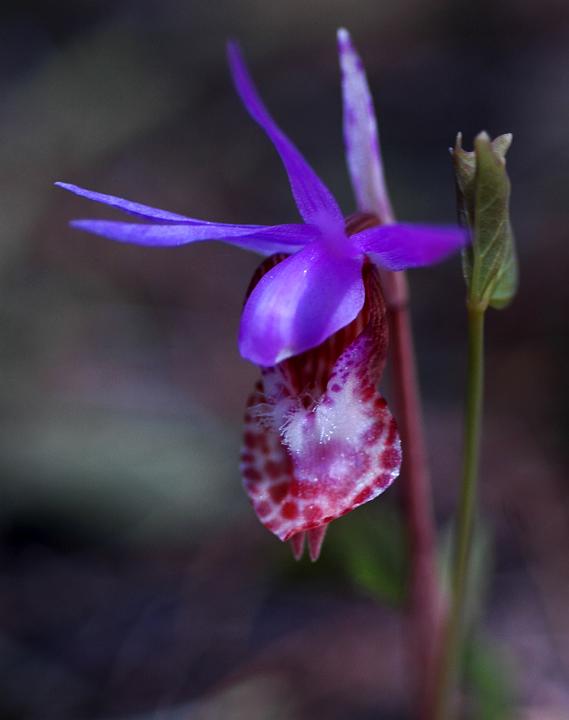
(457, 143)
(68, 186)
(233, 50)
(296, 544)
(344, 38)
(84, 225)
(315, 541)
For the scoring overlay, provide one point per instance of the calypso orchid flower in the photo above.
(319, 439)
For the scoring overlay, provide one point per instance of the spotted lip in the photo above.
(319, 439)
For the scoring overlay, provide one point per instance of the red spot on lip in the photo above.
(247, 457)
(382, 481)
(312, 513)
(295, 488)
(367, 392)
(374, 433)
(263, 509)
(273, 469)
(305, 490)
(362, 496)
(392, 432)
(252, 488)
(278, 492)
(390, 458)
(380, 403)
(289, 510)
(250, 440)
(251, 474)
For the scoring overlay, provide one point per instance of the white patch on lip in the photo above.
(326, 438)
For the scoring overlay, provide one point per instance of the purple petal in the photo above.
(134, 208)
(299, 303)
(360, 134)
(401, 246)
(265, 239)
(315, 202)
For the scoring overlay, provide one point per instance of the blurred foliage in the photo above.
(487, 674)
(371, 552)
(490, 686)
(263, 697)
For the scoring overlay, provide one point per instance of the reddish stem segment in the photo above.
(423, 589)
(424, 598)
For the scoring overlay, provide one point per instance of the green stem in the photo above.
(450, 656)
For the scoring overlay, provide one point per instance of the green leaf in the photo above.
(506, 283)
(483, 189)
(370, 547)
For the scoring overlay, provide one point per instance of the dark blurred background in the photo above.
(135, 580)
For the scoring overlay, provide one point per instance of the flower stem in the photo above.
(448, 673)
(423, 589)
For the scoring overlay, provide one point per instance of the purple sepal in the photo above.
(315, 202)
(361, 137)
(265, 239)
(401, 246)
